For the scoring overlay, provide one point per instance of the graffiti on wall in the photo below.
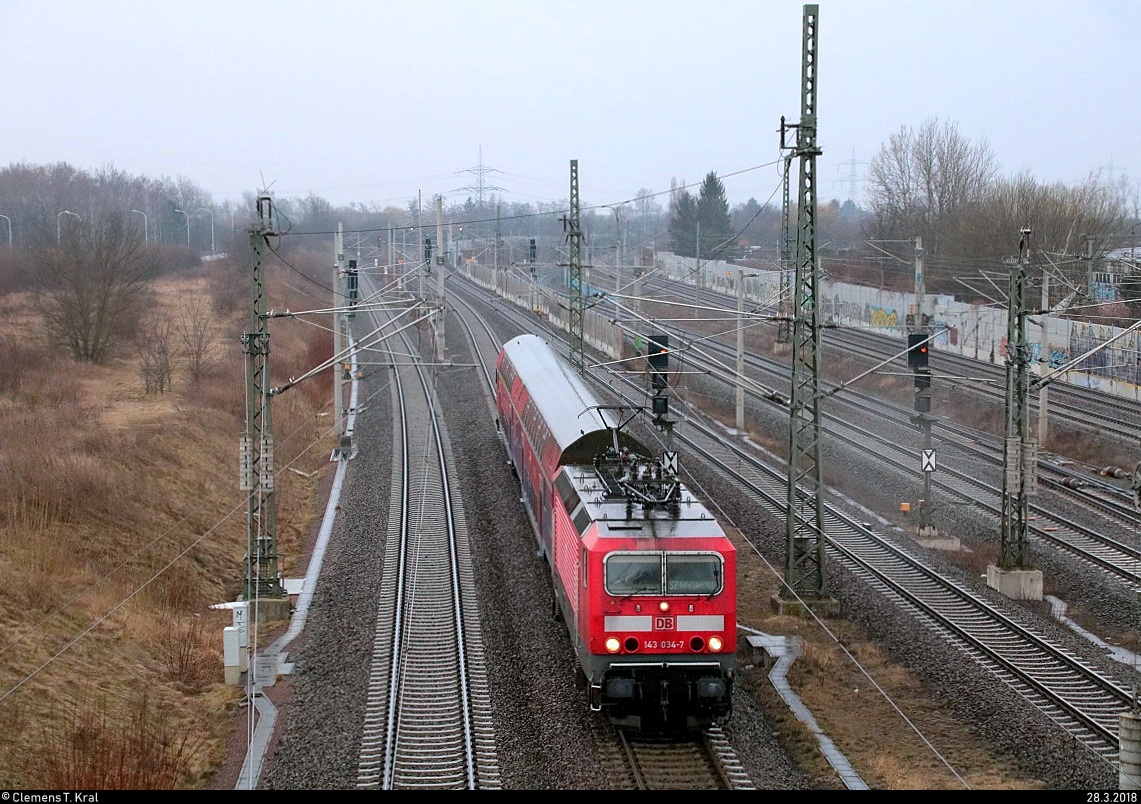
(881, 317)
(947, 334)
(1120, 361)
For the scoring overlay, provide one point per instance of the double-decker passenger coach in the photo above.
(644, 575)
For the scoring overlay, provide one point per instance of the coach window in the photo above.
(581, 519)
(634, 573)
(566, 491)
(693, 573)
(545, 509)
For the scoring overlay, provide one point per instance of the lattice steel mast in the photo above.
(784, 322)
(574, 238)
(1020, 451)
(257, 466)
(804, 566)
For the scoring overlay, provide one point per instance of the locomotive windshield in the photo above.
(634, 573)
(692, 574)
(663, 573)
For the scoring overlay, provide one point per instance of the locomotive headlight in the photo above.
(715, 644)
(664, 606)
(612, 644)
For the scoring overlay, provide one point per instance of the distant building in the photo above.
(1119, 263)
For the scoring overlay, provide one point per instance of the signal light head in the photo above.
(917, 346)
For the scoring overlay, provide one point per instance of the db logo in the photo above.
(663, 623)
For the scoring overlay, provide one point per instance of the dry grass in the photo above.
(894, 733)
(120, 524)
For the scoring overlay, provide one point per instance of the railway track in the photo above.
(428, 720)
(693, 762)
(1106, 540)
(984, 381)
(1085, 702)
(703, 762)
(1072, 405)
(1082, 700)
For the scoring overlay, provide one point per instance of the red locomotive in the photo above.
(644, 576)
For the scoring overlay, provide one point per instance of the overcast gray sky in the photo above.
(373, 102)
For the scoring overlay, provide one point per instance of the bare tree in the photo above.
(1061, 216)
(922, 182)
(194, 328)
(156, 361)
(94, 286)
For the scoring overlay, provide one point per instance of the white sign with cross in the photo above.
(928, 460)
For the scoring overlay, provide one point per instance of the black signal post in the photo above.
(918, 352)
(354, 292)
(659, 359)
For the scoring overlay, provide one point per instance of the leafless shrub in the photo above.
(176, 591)
(174, 259)
(197, 337)
(95, 751)
(319, 348)
(21, 360)
(224, 389)
(66, 467)
(156, 360)
(13, 273)
(184, 653)
(50, 389)
(229, 291)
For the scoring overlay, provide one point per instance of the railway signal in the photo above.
(658, 356)
(917, 361)
(917, 350)
(351, 275)
(354, 292)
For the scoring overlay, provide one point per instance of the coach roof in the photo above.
(566, 404)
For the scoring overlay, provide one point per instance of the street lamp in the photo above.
(211, 213)
(741, 277)
(9, 220)
(183, 214)
(57, 224)
(146, 235)
(618, 248)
